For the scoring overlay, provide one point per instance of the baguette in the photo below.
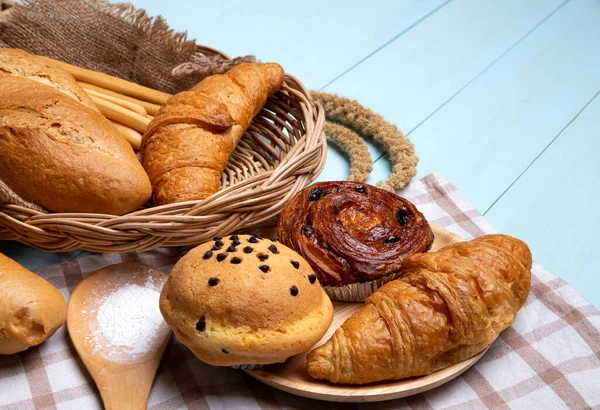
(19, 63)
(56, 149)
(31, 309)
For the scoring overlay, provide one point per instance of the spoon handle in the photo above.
(124, 396)
(127, 389)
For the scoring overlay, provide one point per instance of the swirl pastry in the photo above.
(351, 232)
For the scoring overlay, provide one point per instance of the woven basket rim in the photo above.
(291, 121)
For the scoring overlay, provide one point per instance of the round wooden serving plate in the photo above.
(292, 377)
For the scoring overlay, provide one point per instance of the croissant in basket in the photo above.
(186, 147)
(447, 307)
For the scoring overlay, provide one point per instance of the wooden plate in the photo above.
(292, 377)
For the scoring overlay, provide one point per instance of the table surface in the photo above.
(502, 97)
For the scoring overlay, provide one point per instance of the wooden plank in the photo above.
(485, 137)
(554, 205)
(313, 39)
(413, 76)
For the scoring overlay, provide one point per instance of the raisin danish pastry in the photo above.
(352, 233)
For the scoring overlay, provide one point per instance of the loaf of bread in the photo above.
(31, 309)
(447, 307)
(56, 149)
(188, 143)
(245, 300)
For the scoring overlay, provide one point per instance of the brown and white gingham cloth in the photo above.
(548, 359)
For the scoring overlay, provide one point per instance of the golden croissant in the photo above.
(188, 143)
(447, 307)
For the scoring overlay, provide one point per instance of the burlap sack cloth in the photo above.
(116, 39)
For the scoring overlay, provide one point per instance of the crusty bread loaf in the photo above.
(245, 300)
(20, 63)
(31, 309)
(56, 149)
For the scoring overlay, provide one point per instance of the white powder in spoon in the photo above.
(130, 317)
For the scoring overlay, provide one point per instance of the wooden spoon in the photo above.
(123, 378)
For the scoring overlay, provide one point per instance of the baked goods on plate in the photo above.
(292, 376)
(31, 309)
(244, 300)
(355, 236)
(186, 146)
(56, 149)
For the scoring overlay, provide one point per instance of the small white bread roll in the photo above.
(31, 309)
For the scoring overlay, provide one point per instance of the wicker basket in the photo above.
(283, 151)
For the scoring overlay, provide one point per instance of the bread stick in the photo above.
(123, 103)
(112, 83)
(122, 115)
(133, 137)
(149, 107)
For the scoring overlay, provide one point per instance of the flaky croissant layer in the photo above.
(446, 307)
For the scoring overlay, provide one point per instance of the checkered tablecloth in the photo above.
(549, 358)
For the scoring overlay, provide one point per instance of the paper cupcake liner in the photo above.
(357, 292)
(247, 366)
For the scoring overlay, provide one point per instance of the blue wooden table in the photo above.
(502, 97)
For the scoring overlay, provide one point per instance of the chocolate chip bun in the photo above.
(245, 300)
